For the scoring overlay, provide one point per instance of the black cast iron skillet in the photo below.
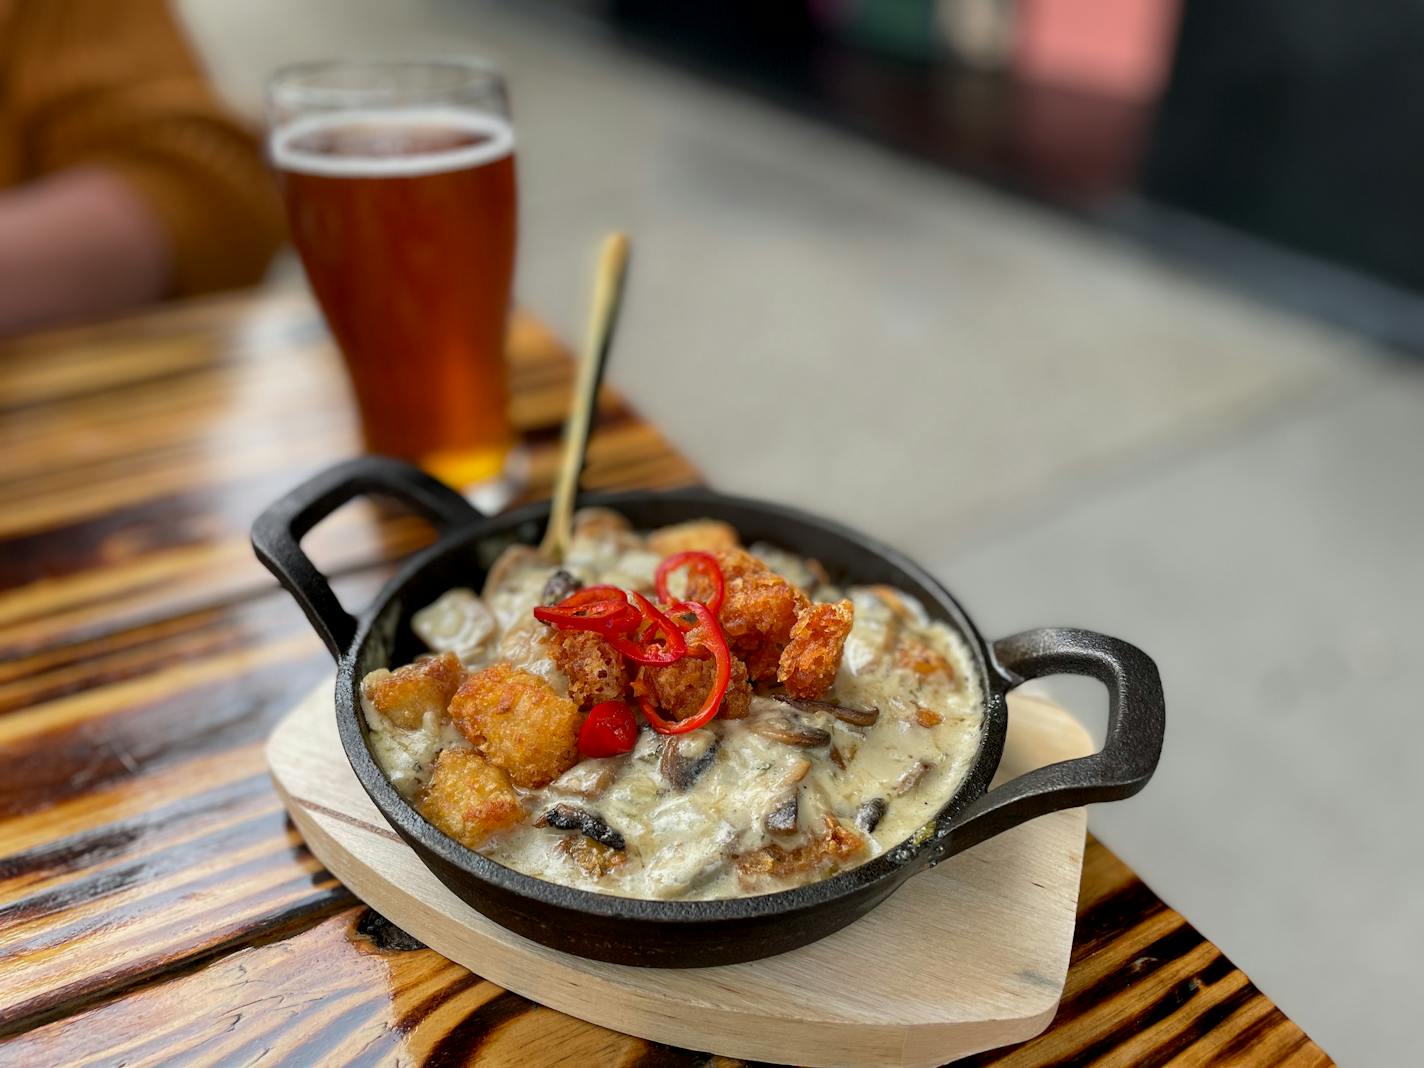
(697, 933)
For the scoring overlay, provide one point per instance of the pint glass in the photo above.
(400, 191)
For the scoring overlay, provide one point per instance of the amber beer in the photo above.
(405, 221)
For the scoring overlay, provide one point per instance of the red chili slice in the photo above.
(673, 648)
(602, 609)
(610, 729)
(710, 637)
(593, 595)
(694, 560)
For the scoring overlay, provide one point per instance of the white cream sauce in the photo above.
(684, 843)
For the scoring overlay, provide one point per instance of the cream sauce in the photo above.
(683, 843)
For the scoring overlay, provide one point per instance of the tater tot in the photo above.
(679, 689)
(519, 723)
(469, 798)
(408, 694)
(596, 671)
(707, 535)
(602, 523)
(811, 658)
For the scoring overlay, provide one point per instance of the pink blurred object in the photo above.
(1120, 48)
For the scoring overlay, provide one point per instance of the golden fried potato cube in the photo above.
(679, 689)
(596, 671)
(811, 658)
(469, 798)
(706, 535)
(597, 522)
(406, 695)
(519, 723)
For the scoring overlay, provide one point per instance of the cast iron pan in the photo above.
(681, 934)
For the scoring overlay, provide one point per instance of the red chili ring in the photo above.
(710, 637)
(673, 649)
(602, 609)
(693, 558)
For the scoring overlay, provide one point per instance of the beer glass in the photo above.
(399, 184)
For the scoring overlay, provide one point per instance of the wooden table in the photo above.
(155, 903)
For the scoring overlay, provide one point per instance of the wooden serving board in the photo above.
(966, 957)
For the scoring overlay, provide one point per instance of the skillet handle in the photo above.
(1137, 721)
(277, 533)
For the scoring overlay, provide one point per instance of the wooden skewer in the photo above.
(603, 318)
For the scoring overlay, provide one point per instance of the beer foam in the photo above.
(497, 132)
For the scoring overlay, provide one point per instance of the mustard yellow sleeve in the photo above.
(114, 83)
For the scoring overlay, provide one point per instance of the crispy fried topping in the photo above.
(832, 848)
(678, 689)
(595, 858)
(469, 798)
(759, 611)
(517, 722)
(406, 695)
(812, 656)
(707, 535)
(596, 671)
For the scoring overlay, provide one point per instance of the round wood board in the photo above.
(963, 958)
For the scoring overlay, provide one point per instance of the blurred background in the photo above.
(1109, 312)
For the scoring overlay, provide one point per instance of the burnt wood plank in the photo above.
(138, 452)
(352, 989)
(351, 1001)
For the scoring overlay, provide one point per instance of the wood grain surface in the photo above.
(967, 957)
(155, 903)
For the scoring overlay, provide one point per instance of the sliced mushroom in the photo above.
(782, 819)
(858, 717)
(870, 813)
(910, 779)
(837, 758)
(796, 772)
(559, 585)
(686, 756)
(789, 731)
(572, 818)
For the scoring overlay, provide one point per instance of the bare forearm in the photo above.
(74, 245)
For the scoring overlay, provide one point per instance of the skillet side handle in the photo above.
(277, 533)
(1137, 722)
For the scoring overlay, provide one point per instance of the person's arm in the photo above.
(107, 93)
(78, 244)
